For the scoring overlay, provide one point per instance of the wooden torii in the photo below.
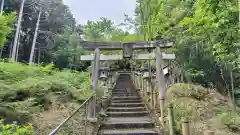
(128, 49)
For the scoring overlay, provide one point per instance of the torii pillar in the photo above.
(160, 81)
(95, 74)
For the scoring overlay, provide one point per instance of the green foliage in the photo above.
(12, 73)
(231, 120)
(26, 90)
(99, 30)
(104, 30)
(67, 49)
(55, 17)
(206, 35)
(14, 129)
(133, 38)
(48, 68)
(74, 83)
(6, 22)
(205, 109)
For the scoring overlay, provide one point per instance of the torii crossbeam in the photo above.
(127, 48)
(119, 46)
(147, 56)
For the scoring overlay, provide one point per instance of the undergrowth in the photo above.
(14, 129)
(206, 109)
(26, 91)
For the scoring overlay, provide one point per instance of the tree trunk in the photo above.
(2, 5)
(35, 38)
(233, 92)
(39, 55)
(13, 57)
(1, 51)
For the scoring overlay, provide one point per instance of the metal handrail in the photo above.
(68, 118)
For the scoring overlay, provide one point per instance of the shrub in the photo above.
(14, 129)
(26, 90)
(15, 72)
(205, 108)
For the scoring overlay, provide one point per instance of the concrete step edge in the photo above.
(129, 131)
(136, 112)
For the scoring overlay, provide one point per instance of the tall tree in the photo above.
(67, 49)
(205, 32)
(99, 30)
(55, 16)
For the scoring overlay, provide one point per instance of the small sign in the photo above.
(127, 50)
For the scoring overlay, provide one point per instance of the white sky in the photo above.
(84, 10)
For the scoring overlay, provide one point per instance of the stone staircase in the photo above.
(127, 114)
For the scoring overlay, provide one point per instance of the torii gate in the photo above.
(128, 49)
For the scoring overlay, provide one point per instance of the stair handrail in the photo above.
(69, 117)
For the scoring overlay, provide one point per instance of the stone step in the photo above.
(119, 87)
(122, 109)
(128, 114)
(128, 122)
(120, 90)
(130, 132)
(119, 93)
(126, 105)
(125, 97)
(116, 93)
(123, 90)
(126, 101)
(122, 95)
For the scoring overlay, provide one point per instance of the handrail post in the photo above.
(157, 101)
(171, 119)
(138, 86)
(162, 109)
(185, 126)
(85, 122)
(152, 94)
(154, 99)
(111, 80)
(144, 89)
(89, 115)
(136, 81)
(133, 77)
(149, 93)
(142, 86)
(140, 80)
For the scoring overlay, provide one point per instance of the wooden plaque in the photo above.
(127, 50)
